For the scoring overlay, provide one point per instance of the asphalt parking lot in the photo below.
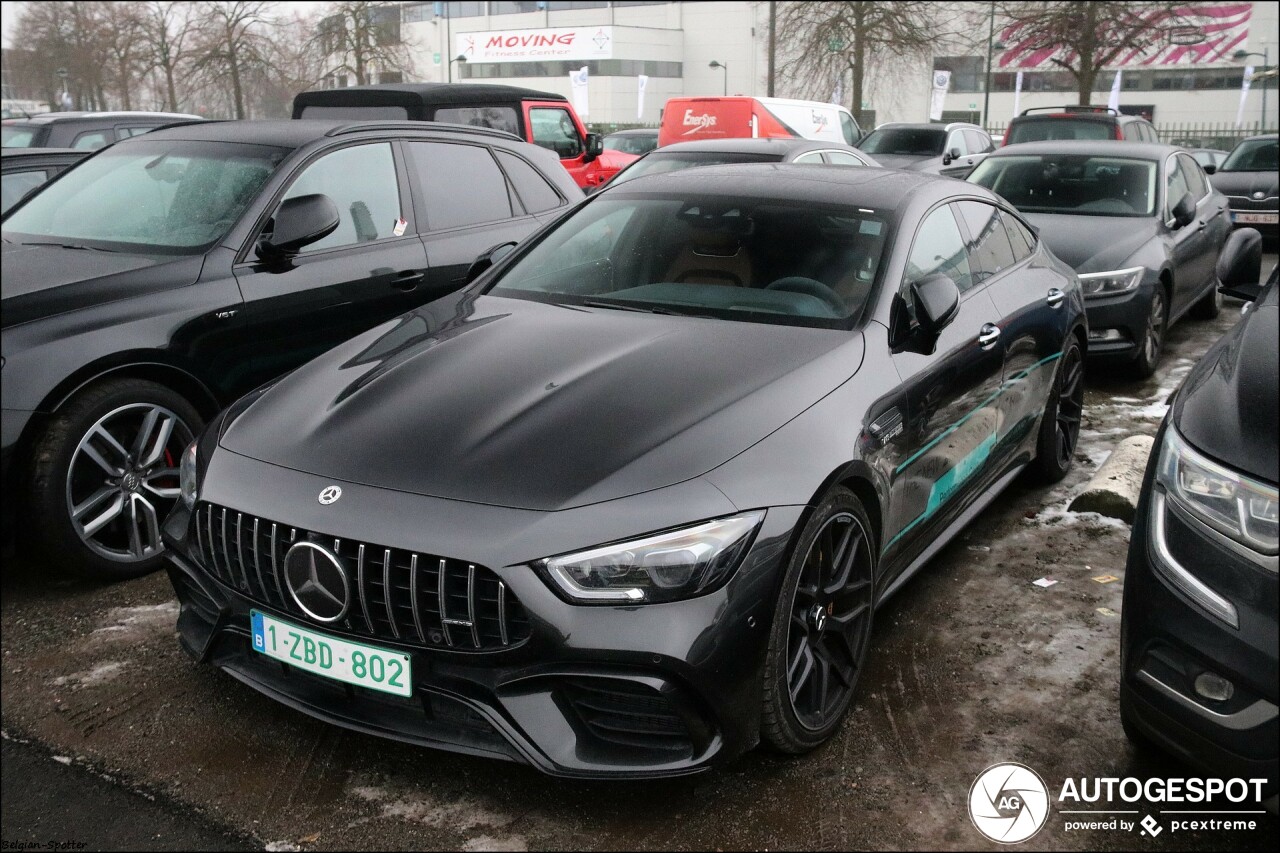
(971, 665)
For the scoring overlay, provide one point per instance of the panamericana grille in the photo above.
(396, 594)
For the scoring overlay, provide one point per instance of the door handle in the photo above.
(408, 280)
(988, 336)
(1055, 297)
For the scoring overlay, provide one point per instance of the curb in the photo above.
(1114, 488)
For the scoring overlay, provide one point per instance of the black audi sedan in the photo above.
(170, 273)
(1199, 628)
(1249, 180)
(1140, 224)
(626, 505)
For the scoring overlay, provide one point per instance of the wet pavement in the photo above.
(971, 664)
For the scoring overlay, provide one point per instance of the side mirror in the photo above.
(1184, 211)
(1240, 265)
(1210, 169)
(490, 257)
(937, 301)
(951, 156)
(299, 222)
(595, 146)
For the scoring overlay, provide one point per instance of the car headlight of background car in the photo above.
(1240, 507)
(663, 567)
(1112, 282)
(188, 476)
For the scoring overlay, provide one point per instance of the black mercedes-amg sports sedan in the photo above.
(626, 505)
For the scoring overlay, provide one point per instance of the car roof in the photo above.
(773, 145)
(883, 189)
(1116, 147)
(26, 153)
(924, 125)
(115, 115)
(294, 133)
(432, 93)
(635, 131)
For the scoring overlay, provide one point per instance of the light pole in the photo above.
(986, 87)
(459, 58)
(725, 68)
(1266, 64)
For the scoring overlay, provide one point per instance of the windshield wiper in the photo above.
(70, 246)
(643, 309)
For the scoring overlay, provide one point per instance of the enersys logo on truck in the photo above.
(739, 117)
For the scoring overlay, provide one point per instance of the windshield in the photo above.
(749, 259)
(673, 161)
(167, 197)
(17, 136)
(1077, 184)
(631, 143)
(1252, 155)
(1049, 128)
(918, 141)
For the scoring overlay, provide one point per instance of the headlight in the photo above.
(1111, 283)
(187, 475)
(663, 567)
(1231, 503)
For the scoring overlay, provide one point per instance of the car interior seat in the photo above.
(713, 253)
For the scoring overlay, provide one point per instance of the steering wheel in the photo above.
(811, 287)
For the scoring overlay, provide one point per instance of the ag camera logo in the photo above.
(1008, 803)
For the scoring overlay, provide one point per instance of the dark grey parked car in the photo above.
(86, 131)
(24, 169)
(1248, 179)
(952, 150)
(714, 152)
(1138, 221)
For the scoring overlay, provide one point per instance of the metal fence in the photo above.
(1223, 135)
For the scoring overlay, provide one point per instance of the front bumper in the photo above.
(1118, 324)
(575, 691)
(1168, 640)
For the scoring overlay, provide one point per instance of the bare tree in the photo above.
(166, 32)
(233, 40)
(1088, 35)
(121, 27)
(360, 36)
(295, 67)
(823, 40)
(66, 45)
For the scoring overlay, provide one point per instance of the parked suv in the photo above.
(167, 275)
(1049, 123)
(87, 131)
(543, 118)
(23, 170)
(952, 149)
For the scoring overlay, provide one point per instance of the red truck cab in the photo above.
(542, 118)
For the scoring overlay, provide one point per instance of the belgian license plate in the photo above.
(1256, 218)
(341, 660)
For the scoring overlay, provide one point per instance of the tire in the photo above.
(1060, 424)
(1210, 305)
(821, 626)
(96, 503)
(1151, 346)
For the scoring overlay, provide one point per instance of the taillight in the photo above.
(1005, 140)
(1119, 132)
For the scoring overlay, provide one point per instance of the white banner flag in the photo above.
(1244, 94)
(642, 82)
(578, 86)
(1113, 102)
(941, 83)
(1017, 93)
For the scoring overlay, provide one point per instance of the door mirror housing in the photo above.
(1184, 211)
(1240, 265)
(951, 156)
(595, 147)
(936, 300)
(490, 257)
(1210, 169)
(299, 222)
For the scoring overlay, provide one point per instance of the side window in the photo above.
(462, 183)
(91, 140)
(532, 188)
(1021, 237)
(15, 185)
(843, 158)
(499, 118)
(956, 140)
(979, 142)
(1196, 179)
(553, 128)
(126, 132)
(1132, 131)
(810, 157)
(1152, 135)
(939, 248)
(848, 129)
(361, 181)
(989, 249)
(1175, 186)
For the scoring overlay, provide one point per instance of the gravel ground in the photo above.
(971, 665)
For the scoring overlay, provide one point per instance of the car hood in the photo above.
(908, 162)
(1227, 405)
(1094, 243)
(40, 280)
(521, 404)
(1245, 183)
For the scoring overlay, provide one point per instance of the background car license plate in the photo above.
(1258, 218)
(354, 663)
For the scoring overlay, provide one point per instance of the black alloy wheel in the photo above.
(822, 626)
(1210, 305)
(105, 476)
(1060, 425)
(1152, 343)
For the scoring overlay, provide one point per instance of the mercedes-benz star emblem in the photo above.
(317, 582)
(330, 494)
